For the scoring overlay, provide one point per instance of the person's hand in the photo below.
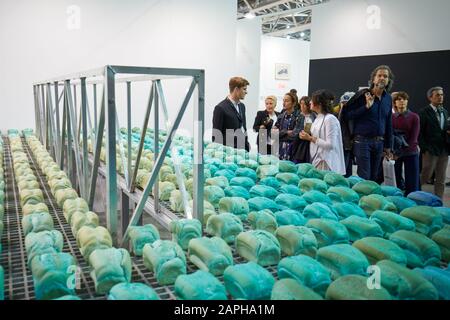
(388, 154)
(304, 135)
(369, 100)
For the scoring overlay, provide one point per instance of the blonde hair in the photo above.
(273, 98)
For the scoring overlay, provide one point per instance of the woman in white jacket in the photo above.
(327, 152)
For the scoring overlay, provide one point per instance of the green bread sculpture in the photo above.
(427, 219)
(165, 259)
(245, 182)
(109, 267)
(262, 203)
(225, 225)
(248, 281)
(405, 284)
(267, 170)
(32, 196)
(328, 232)
(420, 250)
(348, 209)
(263, 220)
(246, 172)
(291, 189)
(184, 230)
(289, 289)
(259, 246)
(51, 275)
(319, 210)
(64, 194)
(377, 249)
(237, 191)
(74, 205)
(354, 287)
(314, 196)
(42, 242)
(359, 227)
(391, 222)
(210, 254)
(2, 284)
(141, 235)
(271, 182)
(295, 240)
(367, 187)
(401, 202)
(234, 205)
(308, 184)
(81, 219)
(442, 239)
(36, 222)
(263, 191)
(335, 180)
(343, 194)
(287, 166)
(375, 202)
(291, 201)
(342, 259)
(306, 271)
(90, 239)
(213, 194)
(289, 217)
(200, 285)
(132, 291)
(288, 178)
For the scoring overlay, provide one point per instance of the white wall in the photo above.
(248, 53)
(36, 45)
(340, 28)
(279, 50)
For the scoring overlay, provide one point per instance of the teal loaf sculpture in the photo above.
(74, 205)
(390, 191)
(319, 210)
(267, 170)
(132, 291)
(234, 205)
(291, 189)
(427, 220)
(263, 191)
(141, 235)
(290, 289)
(43, 242)
(263, 220)
(420, 250)
(296, 240)
(328, 232)
(375, 202)
(200, 285)
(289, 217)
(291, 201)
(237, 191)
(210, 254)
(314, 196)
(391, 222)
(343, 194)
(440, 278)
(354, 287)
(2, 284)
(109, 267)
(81, 219)
(262, 203)
(225, 225)
(271, 182)
(246, 172)
(309, 184)
(405, 284)
(306, 271)
(342, 259)
(248, 281)
(376, 249)
(335, 180)
(90, 239)
(36, 222)
(184, 230)
(442, 238)
(346, 209)
(359, 227)
(287, 166)
(245, 182)
(51, 275)
(213, 194)
(166, 259)
(288, 178)
(401, 202)
(367, 187)
(259, 246)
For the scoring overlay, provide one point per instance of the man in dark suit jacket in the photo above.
(229, 122)
(434, 140)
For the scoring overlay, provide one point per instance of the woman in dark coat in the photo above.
(263, 125)
(306, 118)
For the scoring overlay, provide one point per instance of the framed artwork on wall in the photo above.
(282, 71)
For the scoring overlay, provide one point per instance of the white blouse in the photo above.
(328, 146)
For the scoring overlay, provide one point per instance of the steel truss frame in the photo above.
(65, 130)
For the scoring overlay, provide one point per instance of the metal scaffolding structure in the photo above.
(66, 130)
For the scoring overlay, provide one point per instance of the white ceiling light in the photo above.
(250, 15)
(302, 34)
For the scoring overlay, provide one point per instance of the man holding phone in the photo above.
(371, 113)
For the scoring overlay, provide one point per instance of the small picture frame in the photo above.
(282, 71)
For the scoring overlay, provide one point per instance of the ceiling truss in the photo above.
(281, 18)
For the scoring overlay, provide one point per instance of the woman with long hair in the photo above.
(325, 139)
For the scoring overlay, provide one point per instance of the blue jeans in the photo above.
(411, 180)
(368, 154)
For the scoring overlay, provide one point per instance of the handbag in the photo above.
(389, 172)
